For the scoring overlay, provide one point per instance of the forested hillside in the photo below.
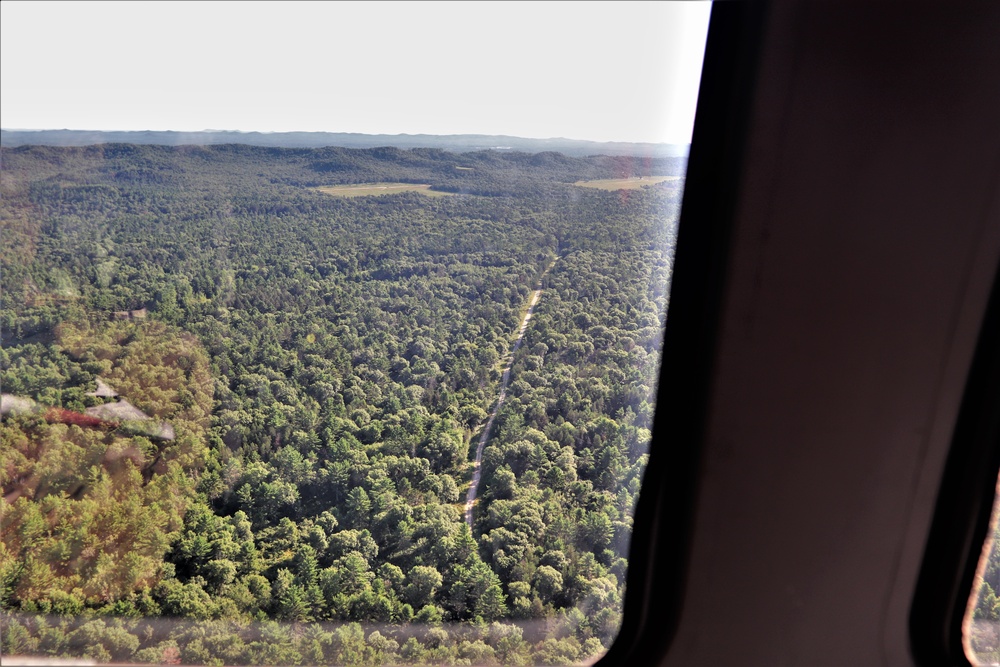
(453, 142)
(328, 365)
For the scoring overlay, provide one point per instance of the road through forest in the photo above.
(470, 500)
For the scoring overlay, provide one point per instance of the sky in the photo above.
(617, 71)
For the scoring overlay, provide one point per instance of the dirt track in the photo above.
(470, 499)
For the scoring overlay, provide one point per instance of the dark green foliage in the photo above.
(349, 352)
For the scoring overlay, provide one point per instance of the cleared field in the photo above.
(369, 189)
(633, 183)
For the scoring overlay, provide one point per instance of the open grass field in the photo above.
(369, 189)
(633, 183)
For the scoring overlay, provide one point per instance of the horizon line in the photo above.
(370, 134)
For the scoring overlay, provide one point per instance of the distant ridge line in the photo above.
(451, 142)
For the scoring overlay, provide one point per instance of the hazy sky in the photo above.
(616, 71)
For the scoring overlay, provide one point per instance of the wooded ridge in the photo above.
(327, 365)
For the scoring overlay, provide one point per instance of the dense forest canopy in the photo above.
(452, 142)
(327, 366)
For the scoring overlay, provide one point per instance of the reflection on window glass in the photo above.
(982, 618)
(303, 399)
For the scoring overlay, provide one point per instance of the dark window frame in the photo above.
(963, 509)
(664, 514)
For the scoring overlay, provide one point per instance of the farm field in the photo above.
(370, 189)
(633, 183)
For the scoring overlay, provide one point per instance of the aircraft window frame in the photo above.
(964, 508)
(664, 513)
(663, 518)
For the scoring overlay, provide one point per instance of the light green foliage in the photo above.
(327, 364)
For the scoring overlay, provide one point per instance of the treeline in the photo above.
(175, 641)
(485, 172)
(452, 142)
(329, 364)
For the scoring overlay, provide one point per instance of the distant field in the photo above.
(633, 183)
(368, 189)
